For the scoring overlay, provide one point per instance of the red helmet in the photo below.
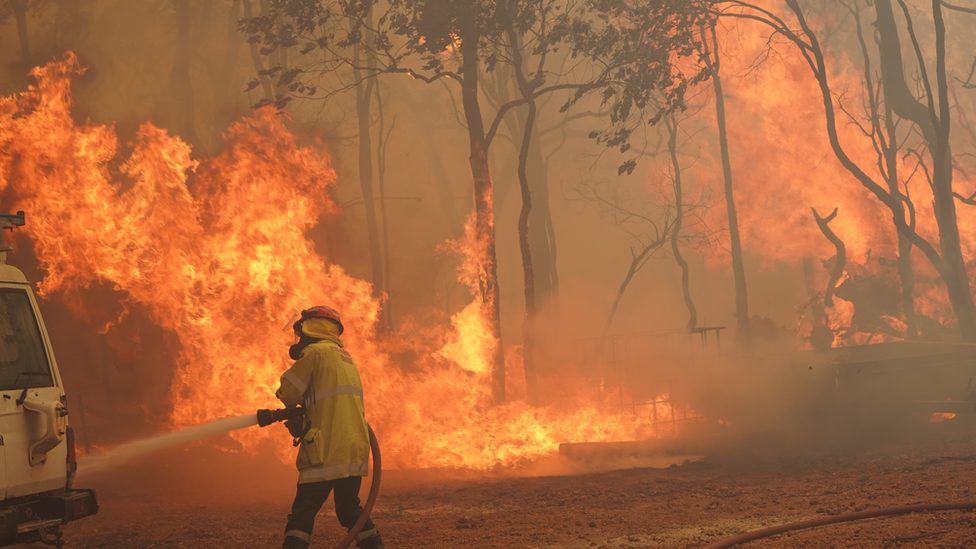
(320, 311)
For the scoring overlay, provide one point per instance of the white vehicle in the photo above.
(37, 451)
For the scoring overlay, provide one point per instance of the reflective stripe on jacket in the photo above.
(325, 380)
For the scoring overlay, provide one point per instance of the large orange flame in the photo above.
(222, 261)
(783, 166)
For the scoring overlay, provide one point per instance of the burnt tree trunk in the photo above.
(672, 124)
(887, 144)
(498, 93)
(906, 273)
(541, 228)
(528, 271)
(738, 265)
(262, 76)
(935, 127)
(542, 233)
(907, 276)
(381, 143)
(840, 260)
(484, 222)
(223, 113)
(19, 7)
(364, 96)
(180, 77)
(958, 288)
(945, 205)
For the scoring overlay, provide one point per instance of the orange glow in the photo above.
(939, 417)
(662, 418)
(222, 263)
(783, 166)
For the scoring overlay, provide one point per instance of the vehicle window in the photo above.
(23, 361)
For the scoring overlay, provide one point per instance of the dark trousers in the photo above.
(312, 496)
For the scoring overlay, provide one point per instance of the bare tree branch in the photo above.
(840, 260)
(958, 8)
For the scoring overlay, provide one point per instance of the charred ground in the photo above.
(201, 497)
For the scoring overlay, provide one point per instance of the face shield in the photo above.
(290, 327)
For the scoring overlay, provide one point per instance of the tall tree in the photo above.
(671, 122)
(19, 8)
(364, 98)
(542, 234)
(530, 322)
(381, 146)
(530, 44)
(713, 61)
(632, 49)
(536, 229)
(883, 132)
(223, 75)
(946, 257)
(180, 78)
(484, 218)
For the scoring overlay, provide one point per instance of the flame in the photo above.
(939, 417)
(216, 266)
(778, 139)
(663, 418)
(213, 250)
(783, 165)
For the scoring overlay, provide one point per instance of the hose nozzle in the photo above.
(267, 417)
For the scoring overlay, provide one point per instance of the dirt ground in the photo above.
(202, 497)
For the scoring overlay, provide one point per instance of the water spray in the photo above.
(262, 418)
(131, 450)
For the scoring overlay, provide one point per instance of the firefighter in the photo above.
(334, 449)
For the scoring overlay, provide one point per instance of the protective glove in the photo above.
(294, 426)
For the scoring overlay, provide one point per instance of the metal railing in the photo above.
(652, 371)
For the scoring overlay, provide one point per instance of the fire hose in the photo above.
(267, 417)
(837, 519)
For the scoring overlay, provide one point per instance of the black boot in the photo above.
(291, 542)
(370, 540)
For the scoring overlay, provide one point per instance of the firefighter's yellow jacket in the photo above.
(325, 380)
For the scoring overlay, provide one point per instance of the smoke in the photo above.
(781, 163)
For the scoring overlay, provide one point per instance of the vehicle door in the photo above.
(27, 373)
